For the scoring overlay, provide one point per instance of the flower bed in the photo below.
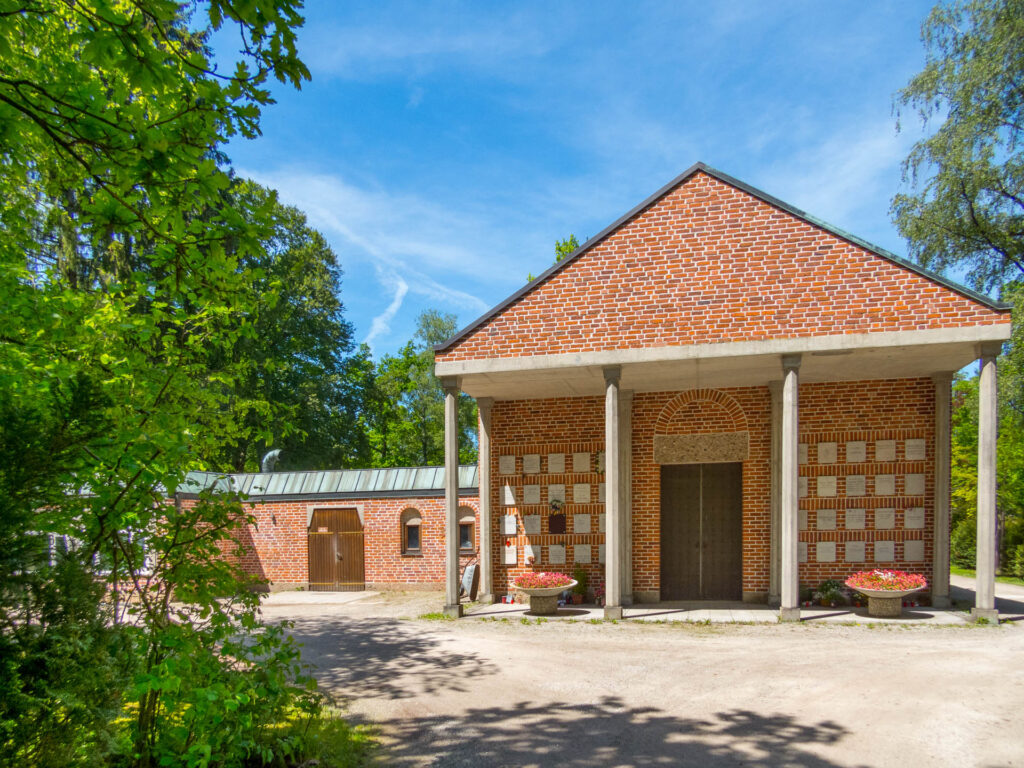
(542, 580)
(889, 581)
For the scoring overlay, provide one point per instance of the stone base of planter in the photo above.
(885, 607)
(543, 605)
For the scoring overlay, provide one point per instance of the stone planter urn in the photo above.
(544, 600)
(886, 603)
(885, 590)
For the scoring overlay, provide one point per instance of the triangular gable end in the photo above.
(710, 259)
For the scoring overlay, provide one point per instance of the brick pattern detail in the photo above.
(710, 263)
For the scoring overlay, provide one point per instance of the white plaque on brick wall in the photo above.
(531, 494)
(506, 465)
(885, 485)
(802, 453)
(801, 551)
(530, 551)
(913, 518)
(508, 525)
(826, 519)
(885, 519)
(885, 450)
(825, 552)
(600, 493)
(581, 553)
(508, 496)
(826, 485)
(913, 551)
(802, 487)
(885, 551)
(531, 524)
(600, 553)
(581, 462)
(856, 485)
(827, 453)
(600, 523)
(600, 461)
(914, 449)
(556, 554)
(913, 485)
(556, 463)
(581, 523)
(854, 551)
(531, 463)
(581, 493)
(802, 517)
(854, 519)
(856, 452)
(556, 492)
(510, 557)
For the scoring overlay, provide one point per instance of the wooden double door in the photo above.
(702, 532)
(336, 562)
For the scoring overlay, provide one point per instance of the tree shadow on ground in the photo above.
(384, 658)
(607, 733)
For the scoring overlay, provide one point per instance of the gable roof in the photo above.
(753, 191)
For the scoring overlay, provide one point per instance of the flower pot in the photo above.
(886, 603)
(544, 600)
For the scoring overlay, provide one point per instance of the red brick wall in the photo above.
(278, 550)
(711, 263)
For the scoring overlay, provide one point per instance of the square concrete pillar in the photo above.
(789, 494)
(486, 593)
(613, 496)
(940, 562)
(985, 567)
(452, 606)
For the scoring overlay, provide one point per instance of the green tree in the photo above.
(563, 249)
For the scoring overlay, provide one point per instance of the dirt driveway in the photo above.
(493, 693)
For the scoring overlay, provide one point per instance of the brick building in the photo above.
(726, 398)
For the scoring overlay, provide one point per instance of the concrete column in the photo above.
(486, 592)
(940, 545)
(985, 568)
(775, 554)
(789, 497)
(612, 496)
(452, 606)
(625, 492)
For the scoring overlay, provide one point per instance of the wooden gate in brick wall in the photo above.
(336, 562)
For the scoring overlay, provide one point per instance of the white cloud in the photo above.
(381, 324)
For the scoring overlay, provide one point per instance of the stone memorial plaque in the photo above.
(854, 551)
(885, 551)
(825, 552)
(885, 485)
(802, 487)
(511, 554)
(827, 453)
(913, 551)
(556, 492)
(856, 452)
(826, 485)
(856, 485)
(530, 551)
(885, 450)
(508, 525)
(600, 523)
(855, 519)
(581, 523)
(913, 485)
(506, 465)
(531, 464)
(801, 551)
(914, 449)
(581, 462)
(802, 516)
(581, 553)
(826, 519)
(581, 493)
(508, 496)
(600, 493)
(600, 553)
(556, 554)
(600, 461)
(802, 453)
(885, 519)
(913, 518)
(531, 524)
(556, 463)
(531, 494)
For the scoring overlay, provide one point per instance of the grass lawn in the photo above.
(968, 572)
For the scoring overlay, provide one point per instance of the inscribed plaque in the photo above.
(885, 450)
(531, 494)
(581, 462)
(826, 485)
(827, 453)
(556, 463)
(531, 463)
(556, 554)
(914, 449)
(581, 493)
(885, 519)
(856, 485)
(581, 553)
(508, 496)
(801, 551)
(914, 518)
(511, 554)
(885, 551)
(913, 485)
(885, 485)
(856, 452)
(826, 519)
(825, 552)
(581, 523)
(508, 525)
(531, 524)
(506, 465)
(854, 519)
(913, 551)
(556, 492)
(854, 551)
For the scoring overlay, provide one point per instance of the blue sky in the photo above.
(442, 148)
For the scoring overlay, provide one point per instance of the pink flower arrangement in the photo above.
(542, 580)
(896, 581)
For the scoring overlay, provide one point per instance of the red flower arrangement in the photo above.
(896, 581)
(542, 580)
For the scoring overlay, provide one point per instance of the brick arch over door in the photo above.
(701, 411)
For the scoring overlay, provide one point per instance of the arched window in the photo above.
(467, 530)
(412, 532)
